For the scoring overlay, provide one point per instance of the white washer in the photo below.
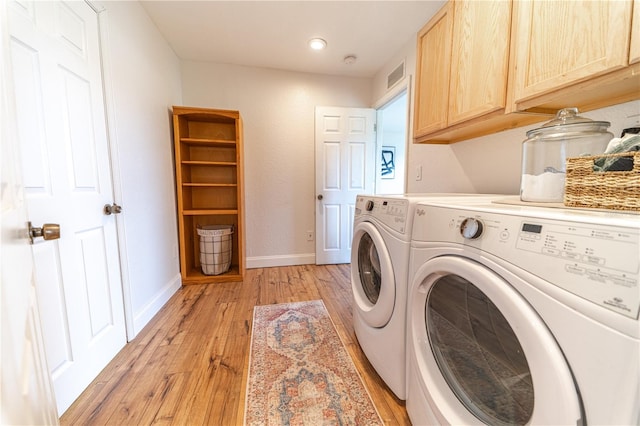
(379, 279)
(523, 315)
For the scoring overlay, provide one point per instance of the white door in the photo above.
(345, 167)
(55, 55)
(27, 392)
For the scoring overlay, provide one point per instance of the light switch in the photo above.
(419, 172)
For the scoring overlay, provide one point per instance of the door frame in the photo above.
(402, 86)
(102, 13)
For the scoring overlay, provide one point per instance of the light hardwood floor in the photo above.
(188, 366)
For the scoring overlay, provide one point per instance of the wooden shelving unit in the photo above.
(209, 181)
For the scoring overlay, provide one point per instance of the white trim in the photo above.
(112, 135)
(394, 92)
(281, 260)
(145, 315)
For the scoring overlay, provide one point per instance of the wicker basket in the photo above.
(618, 190)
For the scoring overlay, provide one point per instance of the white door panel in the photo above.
(357, 166)
(65, 158)
(345, 149)
(27, 392)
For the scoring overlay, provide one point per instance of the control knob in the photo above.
(369, 206)
(471, 228)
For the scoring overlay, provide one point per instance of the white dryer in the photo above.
(379, 279)
(523, 315)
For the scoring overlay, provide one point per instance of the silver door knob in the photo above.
(320, 197)
(112, 209)
(49, 231)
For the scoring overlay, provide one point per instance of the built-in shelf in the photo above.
(209, 212)
(209, 163)
(208, 150)
(198, 141)
(204, 185)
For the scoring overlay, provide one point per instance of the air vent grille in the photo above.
(395, 76)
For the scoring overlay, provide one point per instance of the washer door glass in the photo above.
(478, 353)
(369, 268)
(372, 278)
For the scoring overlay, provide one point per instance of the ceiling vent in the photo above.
(395, 76)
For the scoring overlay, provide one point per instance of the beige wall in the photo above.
(277, 108)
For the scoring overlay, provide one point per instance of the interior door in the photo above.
(27, 392)
(345, 167)
(55, 55)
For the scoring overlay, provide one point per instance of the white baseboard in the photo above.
(285, 260)
(142, 317)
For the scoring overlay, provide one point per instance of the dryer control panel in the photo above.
(390, 212)
(593, 260)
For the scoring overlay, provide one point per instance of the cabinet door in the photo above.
(559, 43)
(634, 50)
(480, 55)
(433, 66)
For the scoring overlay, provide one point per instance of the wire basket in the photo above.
(216, 244)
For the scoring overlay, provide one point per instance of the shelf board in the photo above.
(210, 185)
(210, 142)
(195, 276)
(209, 212)
(210, 163)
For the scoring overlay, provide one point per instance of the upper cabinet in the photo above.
(559, 44)
(479, 59)
(433, 67)
(459, 77)
(484, 67)
(634, 49)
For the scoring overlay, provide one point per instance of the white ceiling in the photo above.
(274, 34)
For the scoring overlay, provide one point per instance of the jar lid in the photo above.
(568, 118)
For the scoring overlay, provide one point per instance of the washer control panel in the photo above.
(596, 261)
(391, 212)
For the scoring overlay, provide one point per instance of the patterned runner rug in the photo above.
(300, 373)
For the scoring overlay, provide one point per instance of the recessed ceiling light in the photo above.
(317, 44)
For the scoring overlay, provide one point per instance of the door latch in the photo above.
(49, 231)
(112, 209)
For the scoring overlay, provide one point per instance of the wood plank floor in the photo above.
(188, 366)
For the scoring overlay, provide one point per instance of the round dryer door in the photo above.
(486, 355)
(372, 280)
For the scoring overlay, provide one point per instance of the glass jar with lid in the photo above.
(547, 148)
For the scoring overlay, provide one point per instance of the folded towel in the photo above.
(628, 143)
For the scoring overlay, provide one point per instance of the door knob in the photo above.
(320, 197)
(49, 231)
(112, 209)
